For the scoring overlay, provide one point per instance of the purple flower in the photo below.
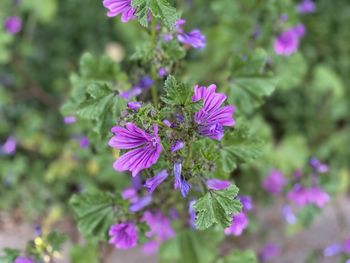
(167, 123)
(313, 195)
(152, 183)
(167, 37)
(212, 117)
(177, 146)
(23, 260)
(84, 142)
(247, 202)
(179, 182)
(192, 214)
(144, 84)
(116, 7)
(346, 246)
(216, 184)
(286, 43)
(347, 261)
(306, 7)
(239, 223)
(144, 148)
(140, 204)
(134, 105)
(318, 166)
(332, 250)
(317, 196)
(37, 231)
(123, 235)
(130, 193)
(69, 119)
(150, 248)
(299, 30)
(13, 24)
(288, 215)
(179, 25)
(274, 182)
(268, 252)
(194, 38)
(159, 225)
(162, 72)
(9, 147)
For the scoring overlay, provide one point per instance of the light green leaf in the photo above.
(93, 213)
(84, 254)
(217, 207)
(237, 256)
(250, 84)
(176, 93)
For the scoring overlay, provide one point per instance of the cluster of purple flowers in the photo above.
(288, 41)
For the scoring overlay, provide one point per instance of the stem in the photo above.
(189, 156)
(153, 68)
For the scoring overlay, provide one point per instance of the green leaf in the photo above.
(191, 246)
(176, 93)
(84, 254)
(160, 9)
(10, 255)
(250, 84)
(238, 146)
(217, 207)
(56, 240)
(94, 213)
(237, 256)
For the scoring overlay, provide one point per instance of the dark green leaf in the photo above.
(217, 207)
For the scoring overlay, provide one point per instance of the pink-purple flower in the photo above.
(238, 224)
(313, 195)
(318, 166)
(144, 148)
(306, 7)
(212, 117)
(123, 235)
(23, 260)
(9, 147)
(288, 41)
(216, 184)
(152, 183)
(134, 105)
(13, 24)
(120, 7)
(69, 119)
(274, 182)
(193, 38)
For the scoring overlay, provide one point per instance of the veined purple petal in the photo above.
(116, 7)
(140, 204)
(146, 148)
(123, 235)
(152, 183)
(216, 184)
(177, 146)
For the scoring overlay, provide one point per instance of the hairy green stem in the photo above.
(153, 68)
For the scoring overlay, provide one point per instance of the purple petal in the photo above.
(177, 146)
(152, 183)
(123, 235)
(216, 184)
(140, 204)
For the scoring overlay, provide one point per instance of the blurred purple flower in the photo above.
(318, 166)
(288, 215)
(69, 119)
(152, 183)
(317, 196)
(23, 260)
(194, 38)
(313, 195)
(346, 246)
(140, 203)
(192, 214)
(274, 182)
(268, 252)
(144, 84)
(177, 146)
(306, 7)
(9, 147)
(286, 43)
(116, 7)
(162, 72)
(134, 105)
(84, 142)
(167, 123)
(123, 235)
(299, 30)
(216, 184)
(247, 202)
(167, 37)
(144, 148)
(37, 231)
(212, 117)
(136, 182)
(130, 194)
(179, 182)
(332, 250)
(13, 24)
(238, 225)
(159, 224)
